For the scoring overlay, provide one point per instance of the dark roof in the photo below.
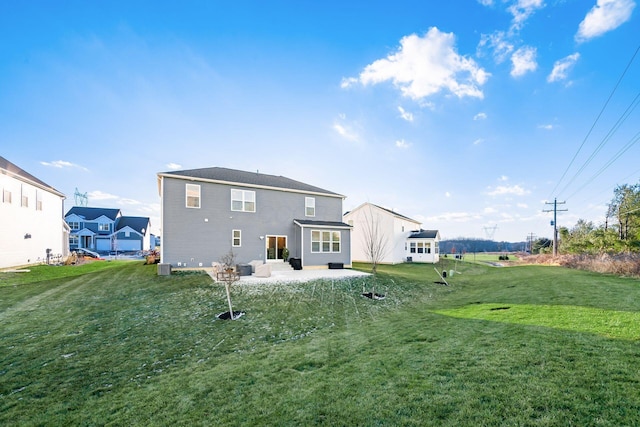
(248, 178)
(6, 165)
(423, 234)
(311, 223)
(137, 223)
(93, 213)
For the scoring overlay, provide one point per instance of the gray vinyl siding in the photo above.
(324, 258)
(196, 237)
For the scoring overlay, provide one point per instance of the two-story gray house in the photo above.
(207, 212)
(106, 229)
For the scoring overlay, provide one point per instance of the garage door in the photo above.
(103, 245)
(129, 245)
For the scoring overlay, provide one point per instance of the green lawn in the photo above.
(115, 344)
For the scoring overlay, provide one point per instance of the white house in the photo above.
(32, 229)
(401, 237)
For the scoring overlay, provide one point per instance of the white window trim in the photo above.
(331, 242)
(310, 203)
(243, 199)
(233, 238)
(186, 196)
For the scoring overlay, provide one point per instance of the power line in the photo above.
(597, 119)
(555, 211)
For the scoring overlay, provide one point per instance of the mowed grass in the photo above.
(119, 345)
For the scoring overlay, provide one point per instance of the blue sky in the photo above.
(465, 115)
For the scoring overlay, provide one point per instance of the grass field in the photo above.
(112, 343)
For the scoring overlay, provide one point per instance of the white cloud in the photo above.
(173, 166)
(499, 43)
(561, 67)
(522, 205)
(478, 141)
(345, 132)
(128, 202)
(453, 217)
(405, 114)
(347, 82)
(424, 66)
(503, 178)
(61, 164)
(486, 2)
(480, 116)
(501, 190)
(522, 10)
(402, 144)
(447, 194)
(545, 127)
(99, 195)
(489, 210)
(523, 60)
(605, 16)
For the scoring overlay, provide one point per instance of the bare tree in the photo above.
(229, 276)
(375, 242)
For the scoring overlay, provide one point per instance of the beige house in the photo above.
(402, 238)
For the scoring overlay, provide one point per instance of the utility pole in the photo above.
(554, 223)
(530, 238)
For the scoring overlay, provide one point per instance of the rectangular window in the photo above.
(127, 233)
(104, 227)
(310, 206)
(38, 200)
(412, 247)
(6, 196)
(236, 238)
(427, 248)
(24, 199)
(73, 240)
(420, 247)
(243, 201)
(325, 241)
(436, 249)
(74, 225)
(193, 196)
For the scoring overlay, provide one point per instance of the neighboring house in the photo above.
(106, 229)
(400, 238)
(208, 212)
(31, 226)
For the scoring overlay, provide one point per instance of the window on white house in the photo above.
(436, 248)
(193, 196)
(236, 238)
(420, 247)
(24, 202)
(243, 200)
(6, 196)
(104, 227)
(325, 241)
(427, 248)
(412, 247)
(38, 200)
(310, 206)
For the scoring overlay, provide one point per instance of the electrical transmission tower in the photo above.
(490, 231)
(81, 199)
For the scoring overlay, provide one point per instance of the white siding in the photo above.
(45, 227)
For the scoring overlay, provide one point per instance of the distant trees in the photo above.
(619, 233)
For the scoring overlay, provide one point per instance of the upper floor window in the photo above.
(74, 225)
(24, 202)
(38, 200)
(236, 238)
(325, 241)
(104, 226)
(243, 200)
(6, 196)
(193, 196)
(310, 206)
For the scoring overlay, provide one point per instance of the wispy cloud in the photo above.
(562, 67)
(100, 195)
(401, 143)
(480, 116)
(523, 61)
(545, 127)
(405, 114)
(424, 66)
(522, 10)
(62, 164)
(605, 16)
(173, 166)
(502, 190)
(454, 217)
(478, 141)
(345, 132)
